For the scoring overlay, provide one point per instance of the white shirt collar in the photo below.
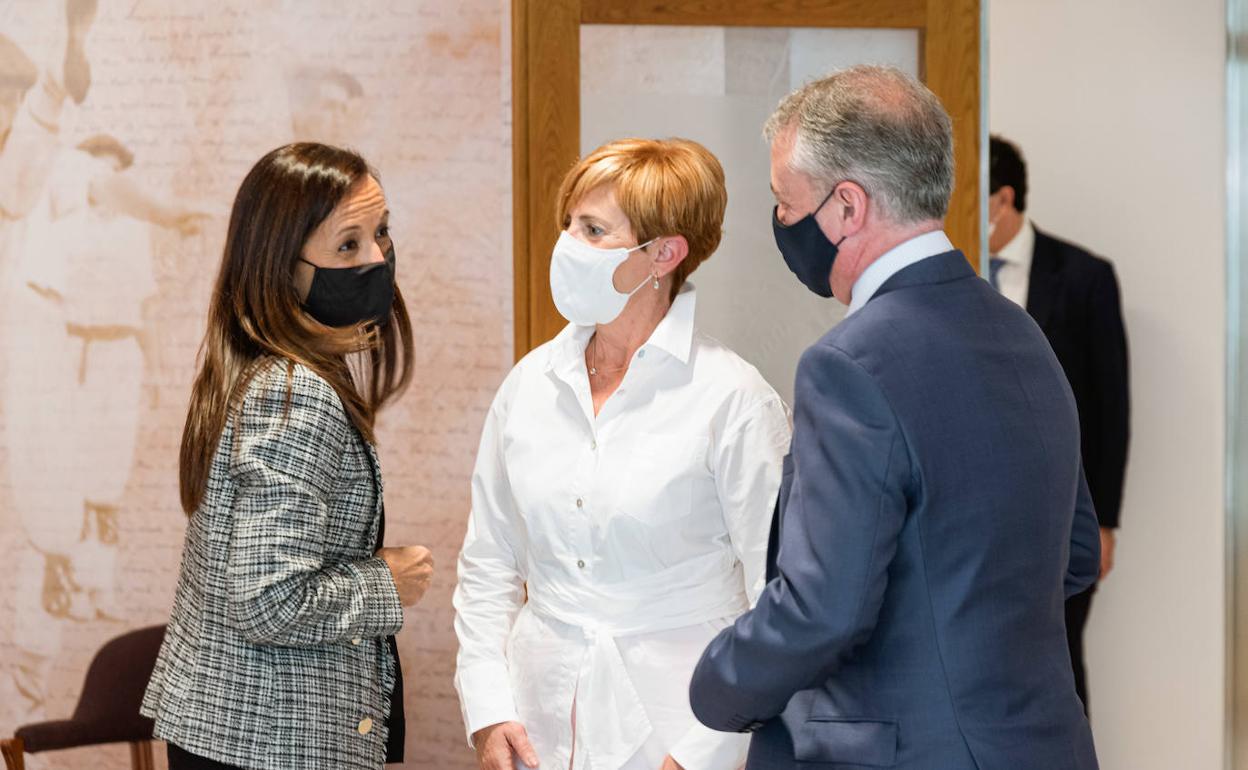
(894, 261)
(674, 334)
(1020, 248)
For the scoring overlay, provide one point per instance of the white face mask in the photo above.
(582, 280)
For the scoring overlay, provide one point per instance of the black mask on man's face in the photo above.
(806, 250)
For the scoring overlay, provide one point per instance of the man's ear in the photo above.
(853, 200)
(670, 252)
(1007, 194)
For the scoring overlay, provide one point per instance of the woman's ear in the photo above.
(303, 275)
(670, 252)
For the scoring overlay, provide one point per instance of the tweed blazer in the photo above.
(275, 656)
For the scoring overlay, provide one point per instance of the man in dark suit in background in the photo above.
(932, 515)
(1073, 296)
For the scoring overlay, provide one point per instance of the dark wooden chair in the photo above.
(108, 708)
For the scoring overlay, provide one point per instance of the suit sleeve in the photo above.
(287, 454)
(1109, 425)
(1084, 565)
(842, 520)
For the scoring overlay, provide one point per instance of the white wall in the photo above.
(1119, 108)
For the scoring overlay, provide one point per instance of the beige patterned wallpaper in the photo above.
(111, 227)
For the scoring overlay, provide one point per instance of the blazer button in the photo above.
(580, 563)
(366, 726)
(356, 640)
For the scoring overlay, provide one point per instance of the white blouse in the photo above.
(639, 534)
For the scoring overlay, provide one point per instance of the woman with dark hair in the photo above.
(280, 650)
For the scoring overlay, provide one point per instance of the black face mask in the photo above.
(346, 296)
(806, 250)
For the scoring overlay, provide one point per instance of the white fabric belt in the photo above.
(611, 722)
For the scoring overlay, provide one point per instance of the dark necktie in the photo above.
(994, 268)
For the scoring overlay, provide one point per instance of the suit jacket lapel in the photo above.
(1045, 281)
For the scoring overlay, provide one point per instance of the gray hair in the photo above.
(876, 126)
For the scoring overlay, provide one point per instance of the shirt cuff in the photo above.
(702, 748)
(485, 696)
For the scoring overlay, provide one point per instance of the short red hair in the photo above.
(663, 186)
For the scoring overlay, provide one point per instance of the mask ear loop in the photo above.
(849, 211)
(654, 272)
(303, 295)
(826, 199)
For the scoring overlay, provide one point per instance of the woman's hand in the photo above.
(496, 744)
(670, 764)
(411, 567)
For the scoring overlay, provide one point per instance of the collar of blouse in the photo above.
(673, 335)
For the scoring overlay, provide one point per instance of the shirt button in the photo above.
(356, 640)
(580, 503)
(593, 444)
(580, 563)
(641, 353)
(365, 727)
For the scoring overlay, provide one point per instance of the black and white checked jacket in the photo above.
(275, 657)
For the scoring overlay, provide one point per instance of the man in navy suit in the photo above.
(1073, 296)
(933, 515)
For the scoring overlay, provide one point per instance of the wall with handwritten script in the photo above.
(123, 137)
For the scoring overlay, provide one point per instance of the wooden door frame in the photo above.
(546, 105)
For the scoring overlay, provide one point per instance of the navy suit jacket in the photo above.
(1074, 298)
(933, 518)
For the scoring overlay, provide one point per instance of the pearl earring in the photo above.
(656, 283)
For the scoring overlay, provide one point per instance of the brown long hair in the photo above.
(255, 317)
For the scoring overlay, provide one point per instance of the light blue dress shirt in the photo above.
(894, 261)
